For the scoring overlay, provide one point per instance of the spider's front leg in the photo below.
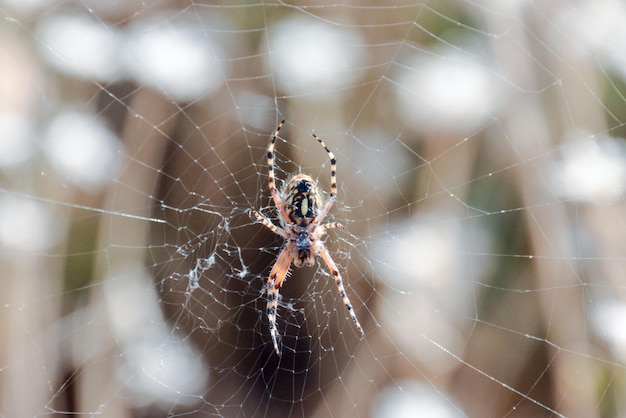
(274, 282)
(269, 225)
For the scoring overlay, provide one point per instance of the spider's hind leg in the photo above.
(274, 282)
(340, 287)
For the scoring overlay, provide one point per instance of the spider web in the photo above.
(481, 171)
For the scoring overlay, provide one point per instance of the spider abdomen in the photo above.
(302, 200)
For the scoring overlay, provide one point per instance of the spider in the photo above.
(301, 214)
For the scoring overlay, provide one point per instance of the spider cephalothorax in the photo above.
(300, 212)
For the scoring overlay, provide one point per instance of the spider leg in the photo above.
(269, 225)
(321, 229)
(332, 225)
(271, 179)
(321, 250)
(274, 282)
(333, 181)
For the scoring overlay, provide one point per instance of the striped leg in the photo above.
(342, 291)
(269, 225)
(271, 179)
(333, 181)
(332, 225)
(274, 282)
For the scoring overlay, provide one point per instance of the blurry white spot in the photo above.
(307, 56)
(82, 149)
(591, 170)
(423, 252)
(156, 368)
(132, 302)
(80, 46)
(429, 253)
(255, 109)
(25, 225)
(175, 57)
(424, 263)
(609, 319)
(16, 140)
(160, 371)
(599, 21)
(592, 27)
(410, 399)
(385, 156)
(444, 94)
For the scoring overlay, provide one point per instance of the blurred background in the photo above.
(481, 177)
